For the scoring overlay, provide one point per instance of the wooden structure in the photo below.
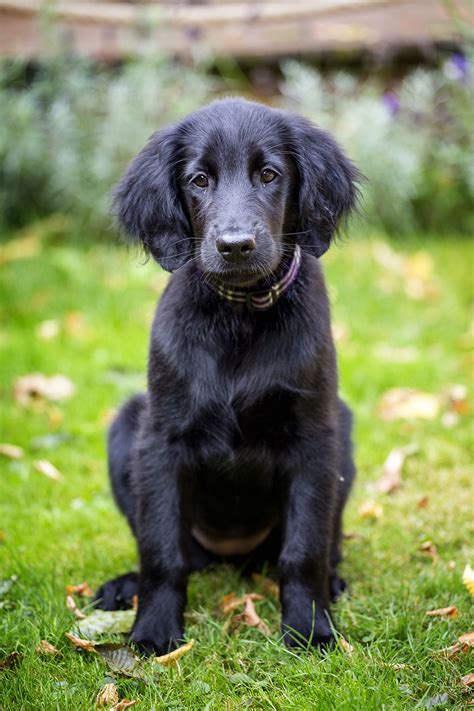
(238, 28)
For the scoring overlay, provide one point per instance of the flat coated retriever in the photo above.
(241, 448)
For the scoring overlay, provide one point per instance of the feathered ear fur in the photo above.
(147, 203)
(328, 184)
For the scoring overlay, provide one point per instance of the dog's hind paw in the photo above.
(118, 593)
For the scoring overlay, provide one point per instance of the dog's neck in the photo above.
(261, 299)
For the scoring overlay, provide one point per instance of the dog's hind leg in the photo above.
(117, 594)
(346, 476)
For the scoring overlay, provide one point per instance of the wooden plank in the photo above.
(110, 30)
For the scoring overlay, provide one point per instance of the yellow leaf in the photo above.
(107, 696)
(44, 467)
(172, 657)
(371, 510)
(11, 451)
(451, 611)
(468, 578)
(45, 647)
(408, 404)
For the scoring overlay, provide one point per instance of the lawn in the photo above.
(401, 315)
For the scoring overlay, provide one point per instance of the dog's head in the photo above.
(234, 185)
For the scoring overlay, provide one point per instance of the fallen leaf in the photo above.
(468, 578)
(11, 660)
(468, 680)
(121, 659)
(135, 603)
(72, 607)
(464, 643)
(346, 646)
(429, 548)
(408, 404)
(45, 647)
(48, 469)
(11, 451)
(172, 657)
(249, 616)
(423, 502)
(46, 330)
(88, 645)
(434, 701)
(107, 696)
(269, 585)
(391, 478)
(231, 602)
(457, 400)
(124, 704)
(106, 622)
(6, 584)
(21, 248)
(451, 611)
(38, 386)
(371, 510)
(83, 590)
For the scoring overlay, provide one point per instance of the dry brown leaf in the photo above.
(457, 400)
(269, 585)
(423, 502)
(371, 510)
(391, 478)
(468, 578)
(11, 660)
(38, 386)
(44, 467)
(11, 451)
(408, 404)
(249, 615)
(107, 696)
(464, 644)
(88, 645)
(231, 602)
(83, 590)
(72, 607)
(124, 704)
(468, 680)
(429, 548)
(450, 611)
(175, 655)
(346, 646)
(135, 602)
(45, 647)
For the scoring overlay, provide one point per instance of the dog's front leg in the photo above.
(161, 503)
(307, 510)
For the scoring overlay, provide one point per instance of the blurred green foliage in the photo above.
(67, 132)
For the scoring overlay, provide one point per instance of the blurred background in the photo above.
(83, 84)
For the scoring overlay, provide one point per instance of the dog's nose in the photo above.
(235, 248)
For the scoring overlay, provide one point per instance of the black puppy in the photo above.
(241, 447)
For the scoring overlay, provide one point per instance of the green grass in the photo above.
(57, 533)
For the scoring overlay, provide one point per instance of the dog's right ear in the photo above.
(147, 204)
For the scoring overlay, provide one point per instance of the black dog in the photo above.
(240, 448)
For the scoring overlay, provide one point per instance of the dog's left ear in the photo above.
(327, 184)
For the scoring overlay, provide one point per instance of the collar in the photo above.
(265, 299)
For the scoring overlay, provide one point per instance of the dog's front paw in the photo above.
(299, 631)
(117, 594)
(156, 638)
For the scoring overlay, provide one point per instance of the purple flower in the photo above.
(456, 67)
(391, 102)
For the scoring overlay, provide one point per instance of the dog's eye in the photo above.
(267, 175)
(201, 180)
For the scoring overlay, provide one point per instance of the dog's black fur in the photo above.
(241, 429)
